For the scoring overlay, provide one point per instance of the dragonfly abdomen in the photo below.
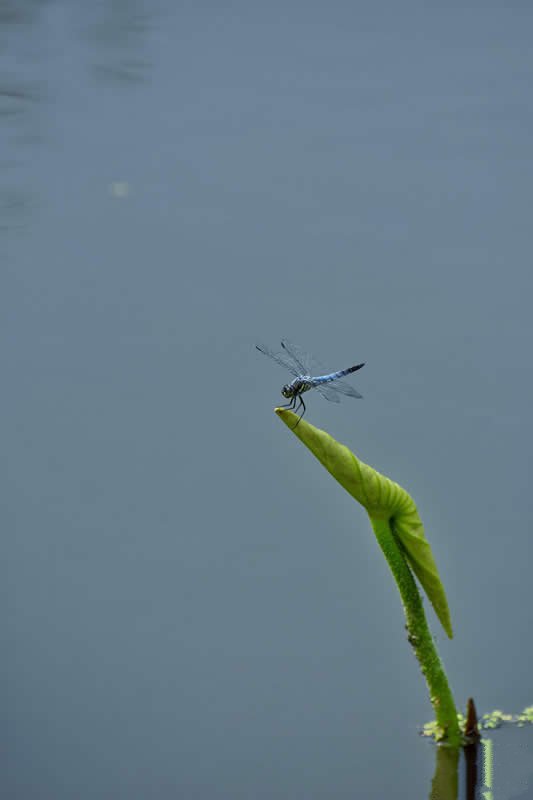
(334, 376)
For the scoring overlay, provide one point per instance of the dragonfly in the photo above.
(301, 365)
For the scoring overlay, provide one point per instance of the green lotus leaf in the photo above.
(383, 499)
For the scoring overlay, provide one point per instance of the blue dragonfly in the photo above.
(301, 365)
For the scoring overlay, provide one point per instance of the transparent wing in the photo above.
(328, 391)
(283, 359)
(342, 387)
(306, 363)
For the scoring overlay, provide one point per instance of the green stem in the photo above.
(419, 635)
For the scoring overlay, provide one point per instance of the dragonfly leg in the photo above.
(302, 405)
(289, 405)
(296, 398)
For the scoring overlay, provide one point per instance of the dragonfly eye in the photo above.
(286, 391)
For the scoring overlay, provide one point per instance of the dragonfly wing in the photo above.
(328, 391)
(304, 361)
(280, 358)
(343, 387)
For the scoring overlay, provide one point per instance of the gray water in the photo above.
(193, 607)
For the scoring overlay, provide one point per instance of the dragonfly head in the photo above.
(287, 391)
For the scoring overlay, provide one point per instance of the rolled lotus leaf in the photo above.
(383, 499)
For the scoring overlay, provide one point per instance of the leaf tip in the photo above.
(286, 415)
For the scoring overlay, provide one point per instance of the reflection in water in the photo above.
(20, 97)
(18, 127)
(116, 32)
(17, 12)
(445, 784)
(479, 772)
(14, 206)
(471, 753)
(8, 93)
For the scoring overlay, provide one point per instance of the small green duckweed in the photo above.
(488, 722)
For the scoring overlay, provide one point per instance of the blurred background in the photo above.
(194, 608)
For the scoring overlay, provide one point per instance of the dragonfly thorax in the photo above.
(296, 387)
